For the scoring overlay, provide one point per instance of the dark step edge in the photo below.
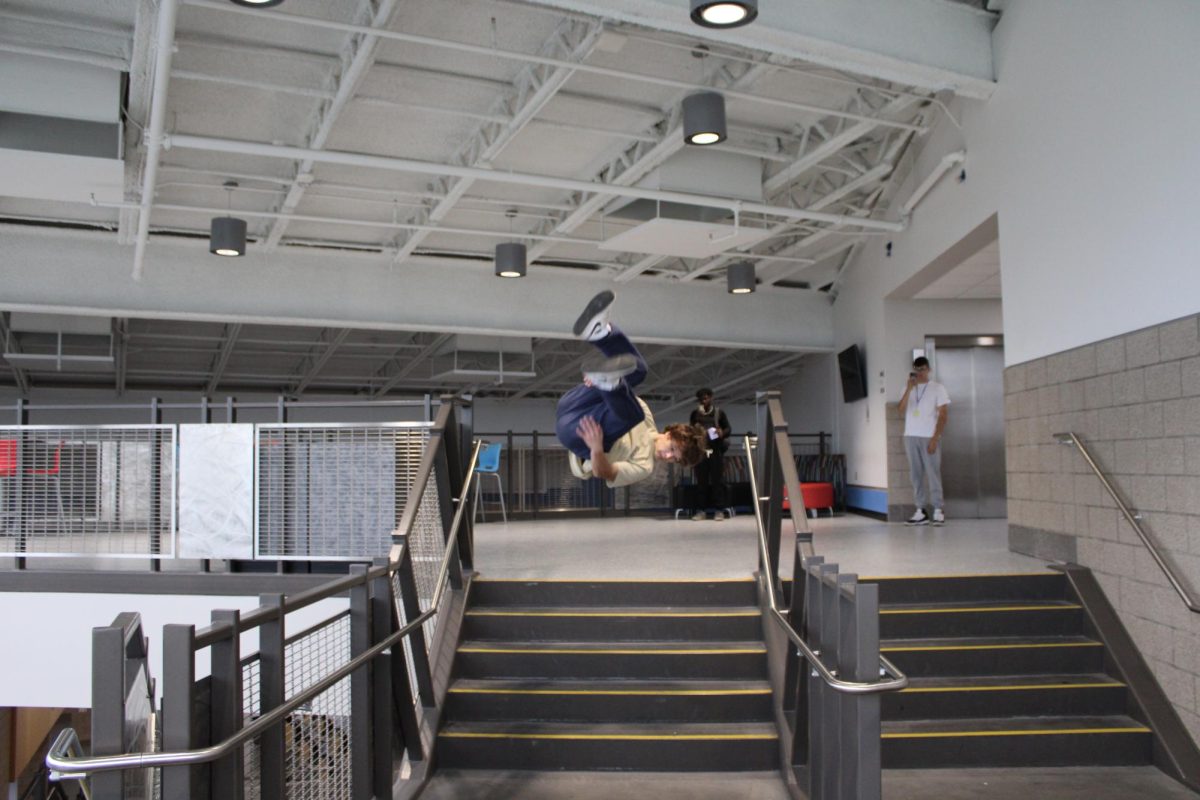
(888, 648)
(1175, 752)
(624, 648)
(1015, 687)
(982, 608)
(956, 734)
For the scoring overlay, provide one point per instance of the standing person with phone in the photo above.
(925, 405)
(710, 473)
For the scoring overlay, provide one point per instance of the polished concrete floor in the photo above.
(647, 547)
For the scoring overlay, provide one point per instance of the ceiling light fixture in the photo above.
(510, 260)
(740, 278)
(704, 118)
(724, 13)
(227, 235)
(510, 256)
(257, 3)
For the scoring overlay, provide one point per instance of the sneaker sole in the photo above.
(917, 524)
(594, 307)
(938, 524)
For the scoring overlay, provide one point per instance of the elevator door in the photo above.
(973, 475)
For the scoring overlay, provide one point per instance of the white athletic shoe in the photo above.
(918, 518)
(607, 373)
(592, 324)
(699, 516)
(719, 516)
(939, 517)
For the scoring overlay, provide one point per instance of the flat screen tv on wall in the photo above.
(854, 374)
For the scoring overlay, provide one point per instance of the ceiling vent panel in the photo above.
(689, 231)
(467, 358)
(60, 130)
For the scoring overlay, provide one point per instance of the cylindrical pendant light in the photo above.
(227, 235)
(704, 118)
(724, 13)
(740, 278)
(510, 260)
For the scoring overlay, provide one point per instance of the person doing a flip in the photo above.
(607, 429)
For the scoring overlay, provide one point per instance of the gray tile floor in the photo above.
(645, 548)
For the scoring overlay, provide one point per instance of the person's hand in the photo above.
(591, 433)
(912, 380)
(933, 443)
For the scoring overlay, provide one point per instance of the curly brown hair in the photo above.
(692, 442)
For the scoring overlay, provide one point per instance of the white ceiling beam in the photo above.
(784, 178)
(931, 45)
(330, 341)
(11, 345)
(221, 360)
(634, 162)
(511, 55)
(534, 87)
(420, 358)
(357, 58)
(42, 270)
(217, 145)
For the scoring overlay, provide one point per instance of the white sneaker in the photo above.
(592, 324)
(699, 516)
(918, 518)
(607, 373)
(719, 516)
(939, 517)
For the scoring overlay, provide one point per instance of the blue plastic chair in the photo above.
(489, 464)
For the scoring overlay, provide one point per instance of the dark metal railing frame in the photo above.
(202, 757)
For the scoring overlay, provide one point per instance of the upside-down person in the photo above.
(608, 429)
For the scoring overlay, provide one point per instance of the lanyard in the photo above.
(921, 393)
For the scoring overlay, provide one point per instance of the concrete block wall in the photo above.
(1135, 400)
(900, 491)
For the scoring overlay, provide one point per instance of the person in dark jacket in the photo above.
(710, 473)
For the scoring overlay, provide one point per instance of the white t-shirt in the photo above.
(920, 418)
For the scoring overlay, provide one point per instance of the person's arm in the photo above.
(943, 413)
(723, 422)
(593, 436)
(904, 400)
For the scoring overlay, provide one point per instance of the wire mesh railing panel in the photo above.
(317, 736)
(558, 489)
(427, 548)
(87, 490)
(251, 710)
(333, 492)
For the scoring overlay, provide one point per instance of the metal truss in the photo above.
(534, 87)
(11, 345)
(221, 360)
(328, 343)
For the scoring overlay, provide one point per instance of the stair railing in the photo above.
(1072, 439)
(832, 670)
(391, 696)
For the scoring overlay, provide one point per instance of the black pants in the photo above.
(710, 477)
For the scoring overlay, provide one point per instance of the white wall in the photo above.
(811, 398)
(1087, 155)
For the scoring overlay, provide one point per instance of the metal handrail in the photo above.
(898, 680)
(1073, 439)
(64, 766)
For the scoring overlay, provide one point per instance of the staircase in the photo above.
(1003, 671)
(588, 675)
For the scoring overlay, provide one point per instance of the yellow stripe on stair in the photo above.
(1010, 688)
(630, 652)
(618, 692)
(981, 609)
(641, 737)
(490, 613)
(1041, 732)
(924, 648)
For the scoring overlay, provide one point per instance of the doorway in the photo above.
(973, 458)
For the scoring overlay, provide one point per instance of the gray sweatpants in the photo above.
(922, 467)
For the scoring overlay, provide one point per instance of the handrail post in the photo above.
(509, 457)
(861, 715)
(226, 712)
(537, 495)
(411, 606)
(381, 685)
(179, 708)
(272, 677)
(770, 477)
(362, 708)
(108, 707)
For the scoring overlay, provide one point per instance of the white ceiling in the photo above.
(828, 140)
(976, 278)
